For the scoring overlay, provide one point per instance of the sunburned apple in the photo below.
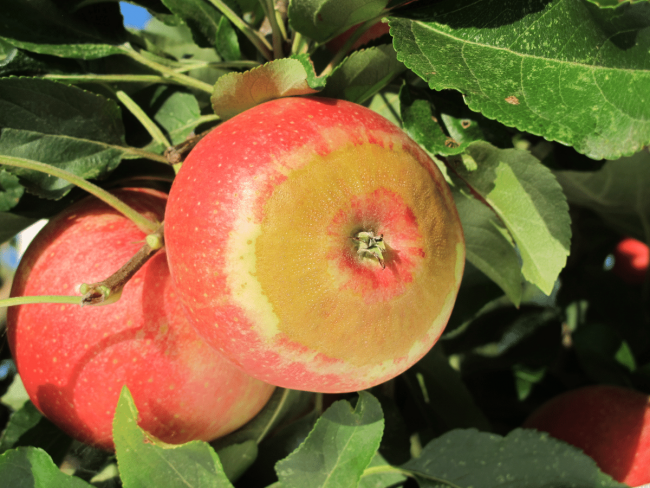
(314, 244)
(74, 361)
(609, 423)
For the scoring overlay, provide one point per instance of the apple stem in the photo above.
(144, 119)
(277, 34)
(349, 43)
(372, 245)
(176, 154)
(110, 290)
(255, 37)
(64, 299)
(142, 222)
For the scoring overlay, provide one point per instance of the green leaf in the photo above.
(10, 191)
(144, 461)
(338, 449)
(422, 125)
(58, 109)
(283, 405)
(488, 244)
(598, 348)
(530, 203)
(53, 31)
(236, 92)
(587, 84)
(523, 458)
(443, 394)
(176, 111)
(88, 159)
(617, 192)
(323, 19)
(613, 3)
(209, 27)
(363, 74)
(16, 396)
(60, 125)
(386, 103)
(237, 458)
(20, 422)
(28, 427)
(377, 479)
(29, 467)
(12, 224)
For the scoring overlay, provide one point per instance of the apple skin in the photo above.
(610, 424)
(631, 258)
(74, 361)
(259, 231)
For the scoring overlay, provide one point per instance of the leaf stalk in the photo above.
(142, 222)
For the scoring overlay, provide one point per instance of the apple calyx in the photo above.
(372, 245)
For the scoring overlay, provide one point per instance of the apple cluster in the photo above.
(309, 244)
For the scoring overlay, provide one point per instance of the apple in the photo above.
(314, 244)
(611, 424)
(74, 360)
(631, 258)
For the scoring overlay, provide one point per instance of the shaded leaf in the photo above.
(52, 30)
(386, 103)
(586, 85)
(88, 159)
(617, 192)
(598, 347)
(488, 245)
(144, 461)
(530, 203)
(210, 28)
(12, 224)
(237, 92)
(60, 125)
(58, 109)
(613, 3)
(338, 449)
(422, 125)
(323, 19)
(523, 458)
(28, 427)
(237, 458)
(176, 111)
(283, 405)
(10, 191)
(30, 467)
(370, 479)
(282, 442)
(443, 393)
(363, 74)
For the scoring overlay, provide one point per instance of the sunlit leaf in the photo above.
(587, 84)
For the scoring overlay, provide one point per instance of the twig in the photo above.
(109, 291)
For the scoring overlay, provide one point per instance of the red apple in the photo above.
(261, 232)
(609, 423)
(631, 259)
(74, 361)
